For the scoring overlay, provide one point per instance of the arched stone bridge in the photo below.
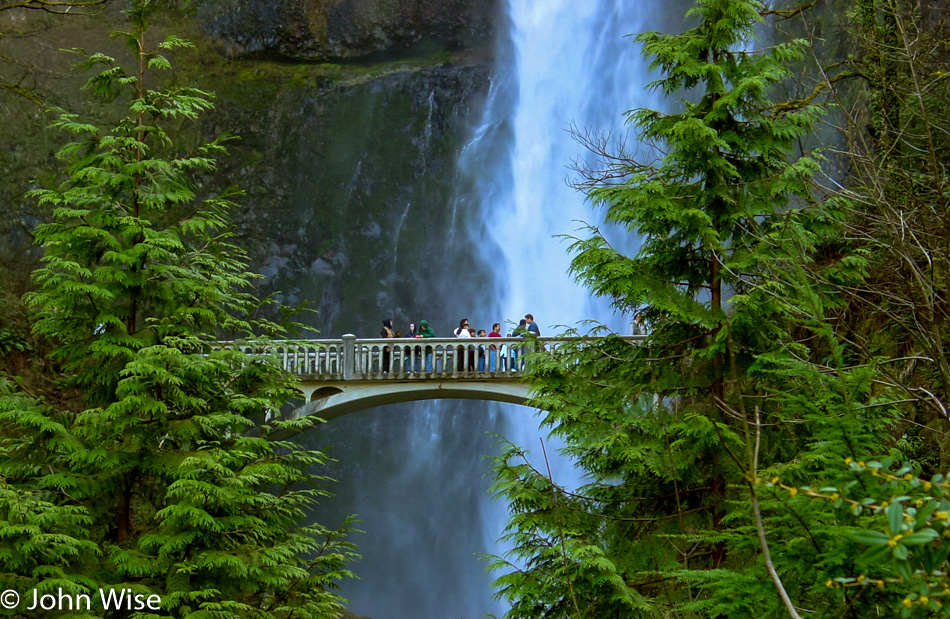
(350, 374)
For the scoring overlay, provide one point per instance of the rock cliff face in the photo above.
(351, 185)
(351, 116)
(349, 168)
(344, 29)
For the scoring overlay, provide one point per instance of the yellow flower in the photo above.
(793, 491)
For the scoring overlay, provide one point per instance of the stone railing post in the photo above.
(349, 356)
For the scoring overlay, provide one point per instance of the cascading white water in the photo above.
(413, 471)
(573, 67)
(570, 64)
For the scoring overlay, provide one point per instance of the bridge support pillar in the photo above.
(349, 356)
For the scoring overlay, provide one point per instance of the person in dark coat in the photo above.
(520, 331)
(387, 332)
(425, 331)
(531, 325)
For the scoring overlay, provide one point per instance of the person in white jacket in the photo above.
(462, 332)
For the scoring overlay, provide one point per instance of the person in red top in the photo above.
(493, 350)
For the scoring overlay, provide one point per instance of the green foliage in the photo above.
(701, 446)
(906, 524)
(147, 463)
(725, 165)
(898, 198)
(14, 332)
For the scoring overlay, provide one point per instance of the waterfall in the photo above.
(570, 65)
(573, 67)
(413, 472)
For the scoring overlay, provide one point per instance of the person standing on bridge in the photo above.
(481, 351)
(493, 350)
(461, 332)
(518, 349)
(425, 331)
(387, 332)
(532, 328)
(531, 325)
(638, 326)
(408, 349)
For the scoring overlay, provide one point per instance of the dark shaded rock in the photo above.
(351, 192)
(320, 30)
(349, 169)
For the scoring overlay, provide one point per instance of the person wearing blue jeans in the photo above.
(520, 331)
(425, 331)
(481, 351)
(532, 328)
(493, 350)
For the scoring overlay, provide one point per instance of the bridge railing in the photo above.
(324, 358)
(352, 358)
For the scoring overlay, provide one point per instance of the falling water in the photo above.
(574, 67)
(413, 471)
(570, 66)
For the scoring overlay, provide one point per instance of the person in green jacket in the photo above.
(425, 331)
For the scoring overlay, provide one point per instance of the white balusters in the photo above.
(350, 358)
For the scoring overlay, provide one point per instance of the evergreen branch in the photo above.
(725, 408)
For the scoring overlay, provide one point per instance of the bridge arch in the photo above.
(343, 376)
(329, 401)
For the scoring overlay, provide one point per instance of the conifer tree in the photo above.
(146, 465)
(677, 435)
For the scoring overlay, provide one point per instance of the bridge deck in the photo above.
(350, 358)
(346, 375)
